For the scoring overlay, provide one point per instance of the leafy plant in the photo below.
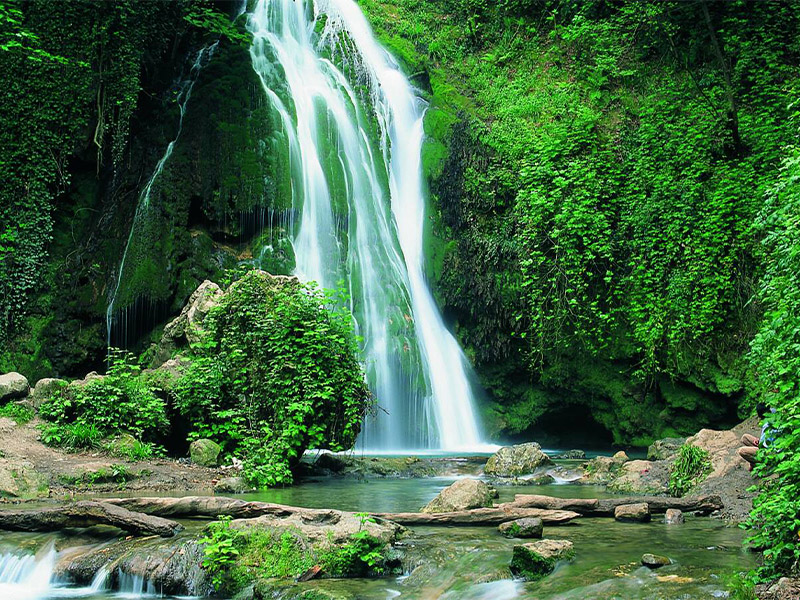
(17, 412)
(220, 550)
(690, 468)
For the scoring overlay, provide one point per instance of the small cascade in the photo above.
(28, 576)
(184, 94)
(134, 586)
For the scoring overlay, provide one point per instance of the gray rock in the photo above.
(528, 527)
(572, 455)
(664, 449)
(640, 478)
(621, 456)
(673, 516)
(13, 385)
(654, 561)
(205, 453)
(464, 494)
(19, 479)
(232, 485)
(636, 513)
(122, 445)
(512, 461)
(536, 560)
(44, 390)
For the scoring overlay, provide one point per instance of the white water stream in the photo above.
(354, 131)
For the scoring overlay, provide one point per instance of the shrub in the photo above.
(17, 412)
(276, 373)
(689, 469)
(122, 401)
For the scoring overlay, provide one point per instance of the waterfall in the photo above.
(354, 130)
(182, 98)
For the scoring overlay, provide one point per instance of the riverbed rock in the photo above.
(621, 456)
(528, 527)
(602, 469)
(44, 390)
(232, 485)
(673, 516)
(12, 386)
(348, 465)
(640, 478)
(665, 449)
(633, 513)
(536, 560)
(572, 455)
(187, 326)
(722, 449)
(205, 453)
(512, 461)
(464, 494)
(655, 561)
(19, 479)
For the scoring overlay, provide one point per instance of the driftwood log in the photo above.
(213, 506)
(481, 516)
(87, 514)
(593, 507)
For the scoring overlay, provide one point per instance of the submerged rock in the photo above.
(635, 513)
(205, 453)
(536, 560)
(512, 461)
(654, 561)
(13, 385)
(665, 449)
(374, 466)
(464, 494)
(528, 527)
(673, 516)
(232, 485)
(571, 455)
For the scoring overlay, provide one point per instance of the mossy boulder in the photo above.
(205, 453)
(122, 445)
(45, 389)
(655, 561)
(464, 494)
(536, 560)
(665, 449)
(512, 461)
(528, 527)
(13, 385)
(19, 479)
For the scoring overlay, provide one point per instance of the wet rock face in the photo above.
(529, 527)
(640, 477)
(673, 516)
(654, 561)
(512, 461)
(665, 449)
(633, 513)
(536, 560)
(13, 386)
(464, 494)
(205, 453)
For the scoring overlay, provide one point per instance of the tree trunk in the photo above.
(605, 508)
(480, 516)
(86, 514)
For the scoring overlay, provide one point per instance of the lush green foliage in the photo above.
(235, 558)
(775, 366)
(689, 469)
(120, 402)
(17, 412)
(277, 374)
(603, 165)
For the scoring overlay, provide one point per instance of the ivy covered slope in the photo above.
(90, 109)
(597, 169)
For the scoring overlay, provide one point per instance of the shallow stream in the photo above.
(459, 562)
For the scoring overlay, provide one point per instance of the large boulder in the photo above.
(536, 560)
(44, 390)
(232, 485)
(673, 516)
(527, 527)
(640, 477)
(205, 453)
(603, 469)
(665, 449)
(187, 326)
(722, 449)
(12, 386)
(633, 513)
(464, 494)
(512, 461)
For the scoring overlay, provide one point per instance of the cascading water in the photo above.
(357, 186)
(183, 96)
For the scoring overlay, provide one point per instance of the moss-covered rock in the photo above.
(205, 453)
(512, 461)
(536, 560)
